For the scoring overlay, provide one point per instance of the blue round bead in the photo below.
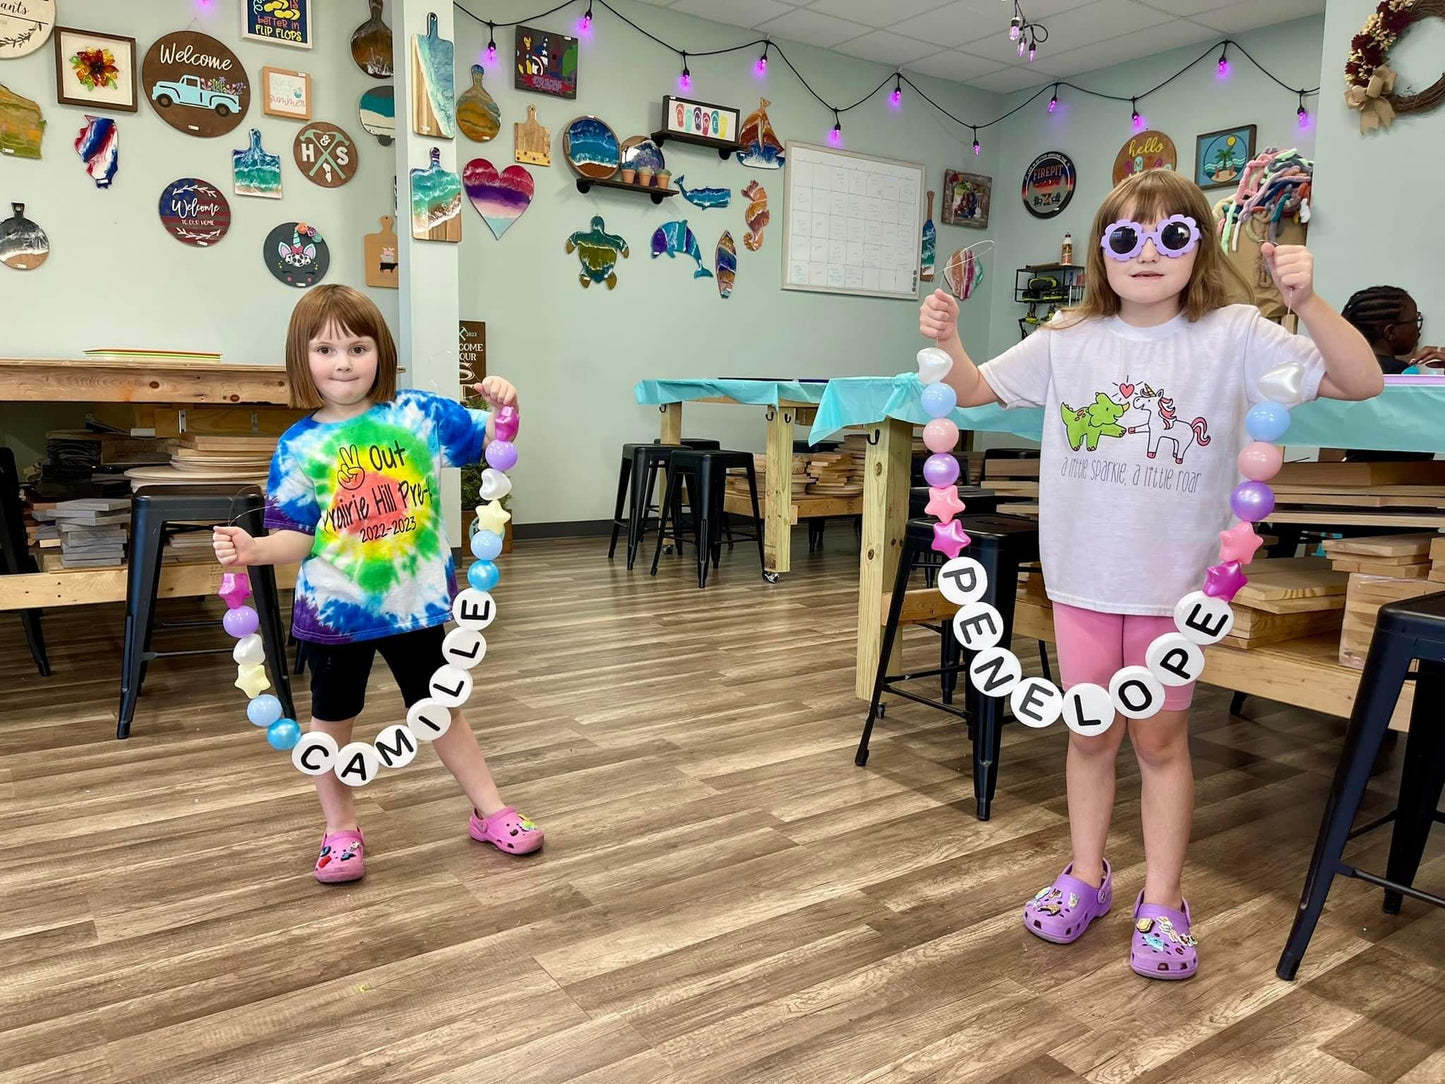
(483, 575)
(486, 545)
(1267, 421)
(938, 400)
(263, 710)
(283, 734)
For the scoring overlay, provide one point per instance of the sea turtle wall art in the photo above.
(598, 251)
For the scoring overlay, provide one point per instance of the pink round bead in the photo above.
(1259, 461)
(940, 435)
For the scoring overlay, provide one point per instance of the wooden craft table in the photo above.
(179, 385)
(1304, 672)
(786, 404)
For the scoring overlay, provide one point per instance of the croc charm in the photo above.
(358, 763)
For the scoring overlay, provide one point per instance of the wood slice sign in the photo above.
(325, 154)
(196, 84)
(195, 212)
(25, 26)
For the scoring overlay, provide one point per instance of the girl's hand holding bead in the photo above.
(938, 318)
(233, 546)
(1293, 268)
(497, 392)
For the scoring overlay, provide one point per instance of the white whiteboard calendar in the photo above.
(853, 223)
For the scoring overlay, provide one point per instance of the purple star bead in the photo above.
(1224, 581)
(948, 538)
(235, 588)
(944, 503)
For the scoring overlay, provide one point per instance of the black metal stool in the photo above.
(1001, 544)
(151, 509)
(636, 481)
(705, 474)
(1405, 632)
(15, 554)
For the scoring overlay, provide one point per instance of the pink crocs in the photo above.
(1162, 947)
(1062, 912)
(507, 830)
(341, 858)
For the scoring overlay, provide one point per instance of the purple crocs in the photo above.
(1163, 947)
(1062, 912)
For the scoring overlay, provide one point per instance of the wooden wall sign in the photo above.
(196, 84)
(325, 154)
(371, 45)
(433, 88)
(1144, 151)
(23, 244)
(296, 254)
(255, 172)
(478, 115)
(25, 26)
(534, 143)
(545, 62)
(382, 257)
(22, 126)
(436, 202)
(277, 22)
(471, 354)
(195, 212)
(285, 94)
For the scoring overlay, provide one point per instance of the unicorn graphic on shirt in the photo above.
(1163, 423)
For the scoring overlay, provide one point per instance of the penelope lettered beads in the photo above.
(358, 763)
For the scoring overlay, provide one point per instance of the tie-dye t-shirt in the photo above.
(368, 489)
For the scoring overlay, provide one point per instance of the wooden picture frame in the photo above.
(966, 199)
(545, 62)
(289, 25)
(700, 120)
(112, 92)
(279, 89)
(1208, 147)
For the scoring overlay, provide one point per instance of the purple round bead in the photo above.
(506, 423)
(501, 455)
(242, 621)
(1252, 501)
(940, 470)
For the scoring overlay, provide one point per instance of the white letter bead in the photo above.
(249, 650)
(357, 764)
(474, 609)
(962, 580)
(450, 685)
(428, 719)
(315, 753)
(995, 671)
(1174, 659)
(1088, 709)
(978, 626)
(464, 647)
(396, 746)
(1036, 702)
(1202, 619)
(1136, 692)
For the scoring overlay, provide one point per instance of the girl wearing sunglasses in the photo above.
(1134, 492)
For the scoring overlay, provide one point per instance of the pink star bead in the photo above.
(235, 588)
(1239, 543)
(1224, 581)
(943, 502)
(948, 538)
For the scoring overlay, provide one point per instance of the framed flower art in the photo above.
(95, 70)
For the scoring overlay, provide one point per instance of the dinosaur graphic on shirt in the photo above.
(1085, 425)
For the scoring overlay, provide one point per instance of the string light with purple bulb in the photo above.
(358, 763)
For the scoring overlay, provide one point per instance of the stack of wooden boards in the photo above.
(1015, 480)
(93, 532)
(1384, 569)
(201, 459)
(834, 474)
(1368, 494)
(1287, 598)
(738, 483)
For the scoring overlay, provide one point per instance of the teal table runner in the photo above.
(754, 392)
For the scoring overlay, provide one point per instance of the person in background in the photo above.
(1389, 318)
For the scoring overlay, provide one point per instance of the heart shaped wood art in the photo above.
(500, 198)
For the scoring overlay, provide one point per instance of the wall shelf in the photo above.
(724, 147)
(584, 185)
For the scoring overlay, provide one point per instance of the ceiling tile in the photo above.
(1008, 80)
(1237, 18)
(887, 48)
(1098, 21)
(1146, 42)
(813, 28)
(1184, 7)
(956, 23)
(952, 64)
(744, 13)
(876, 12)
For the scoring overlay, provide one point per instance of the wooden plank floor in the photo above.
(723, 897)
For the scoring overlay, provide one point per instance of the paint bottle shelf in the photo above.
(584, 185)
(724, 147)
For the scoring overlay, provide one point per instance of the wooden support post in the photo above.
(778, 515)
(885, 518)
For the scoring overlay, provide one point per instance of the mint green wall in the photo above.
(575, 354)
(1375, 219)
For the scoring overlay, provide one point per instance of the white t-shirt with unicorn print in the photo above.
(1142, 428)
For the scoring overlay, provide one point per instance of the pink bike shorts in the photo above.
(1092, 646)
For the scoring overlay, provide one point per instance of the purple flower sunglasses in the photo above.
(1176, 235)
